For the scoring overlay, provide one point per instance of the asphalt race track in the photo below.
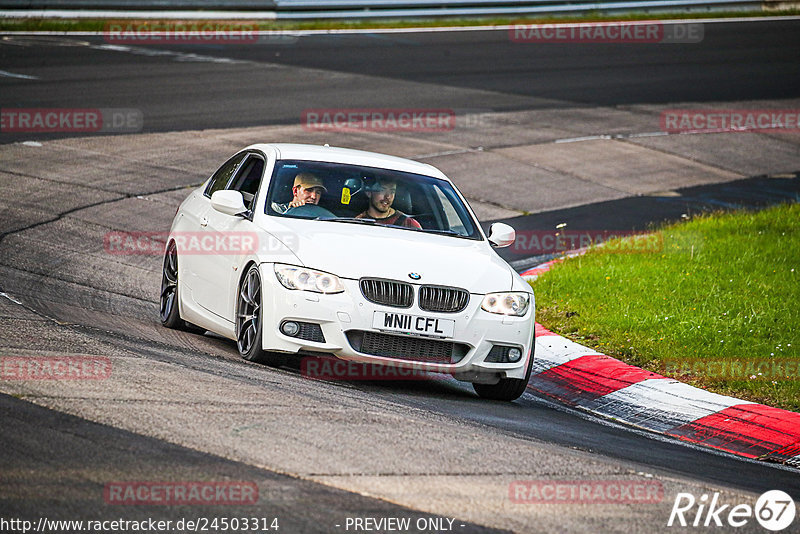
(547, 133)
(224, 86)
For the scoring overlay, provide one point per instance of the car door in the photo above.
(194, 216)
(227, 240)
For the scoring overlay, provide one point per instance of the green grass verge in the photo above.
(98, 25)
(718, 304)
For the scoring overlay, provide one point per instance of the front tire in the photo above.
(250, 320)
(507, 389)
(170, 315)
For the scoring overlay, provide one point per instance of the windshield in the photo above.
(340, 193)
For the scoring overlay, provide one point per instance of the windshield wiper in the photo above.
(348, 220)
(442, 232)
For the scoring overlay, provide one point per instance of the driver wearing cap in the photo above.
(307, 189)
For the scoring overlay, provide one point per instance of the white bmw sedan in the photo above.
(310, 250)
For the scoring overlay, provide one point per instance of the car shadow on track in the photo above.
(418, 387)
(377, 378)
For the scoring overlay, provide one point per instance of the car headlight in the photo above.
(292, 277)
(507, 303)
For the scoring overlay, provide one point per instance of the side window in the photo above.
(223, 175)
(248, 178)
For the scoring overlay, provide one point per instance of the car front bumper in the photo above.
(346, 324)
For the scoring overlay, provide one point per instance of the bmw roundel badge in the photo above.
(414, 276)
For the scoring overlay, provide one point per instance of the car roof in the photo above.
(348, 155)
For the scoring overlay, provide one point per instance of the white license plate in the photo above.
(413, 324)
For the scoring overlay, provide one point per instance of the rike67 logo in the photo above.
(774, 510)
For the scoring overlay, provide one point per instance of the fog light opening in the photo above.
(290, 328)
(514, 354)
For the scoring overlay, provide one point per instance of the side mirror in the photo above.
(228, 202)
(501, 235)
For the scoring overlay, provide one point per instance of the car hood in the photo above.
(353, 250)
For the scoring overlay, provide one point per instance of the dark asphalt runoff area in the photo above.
(643, 213)
(184, 406)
